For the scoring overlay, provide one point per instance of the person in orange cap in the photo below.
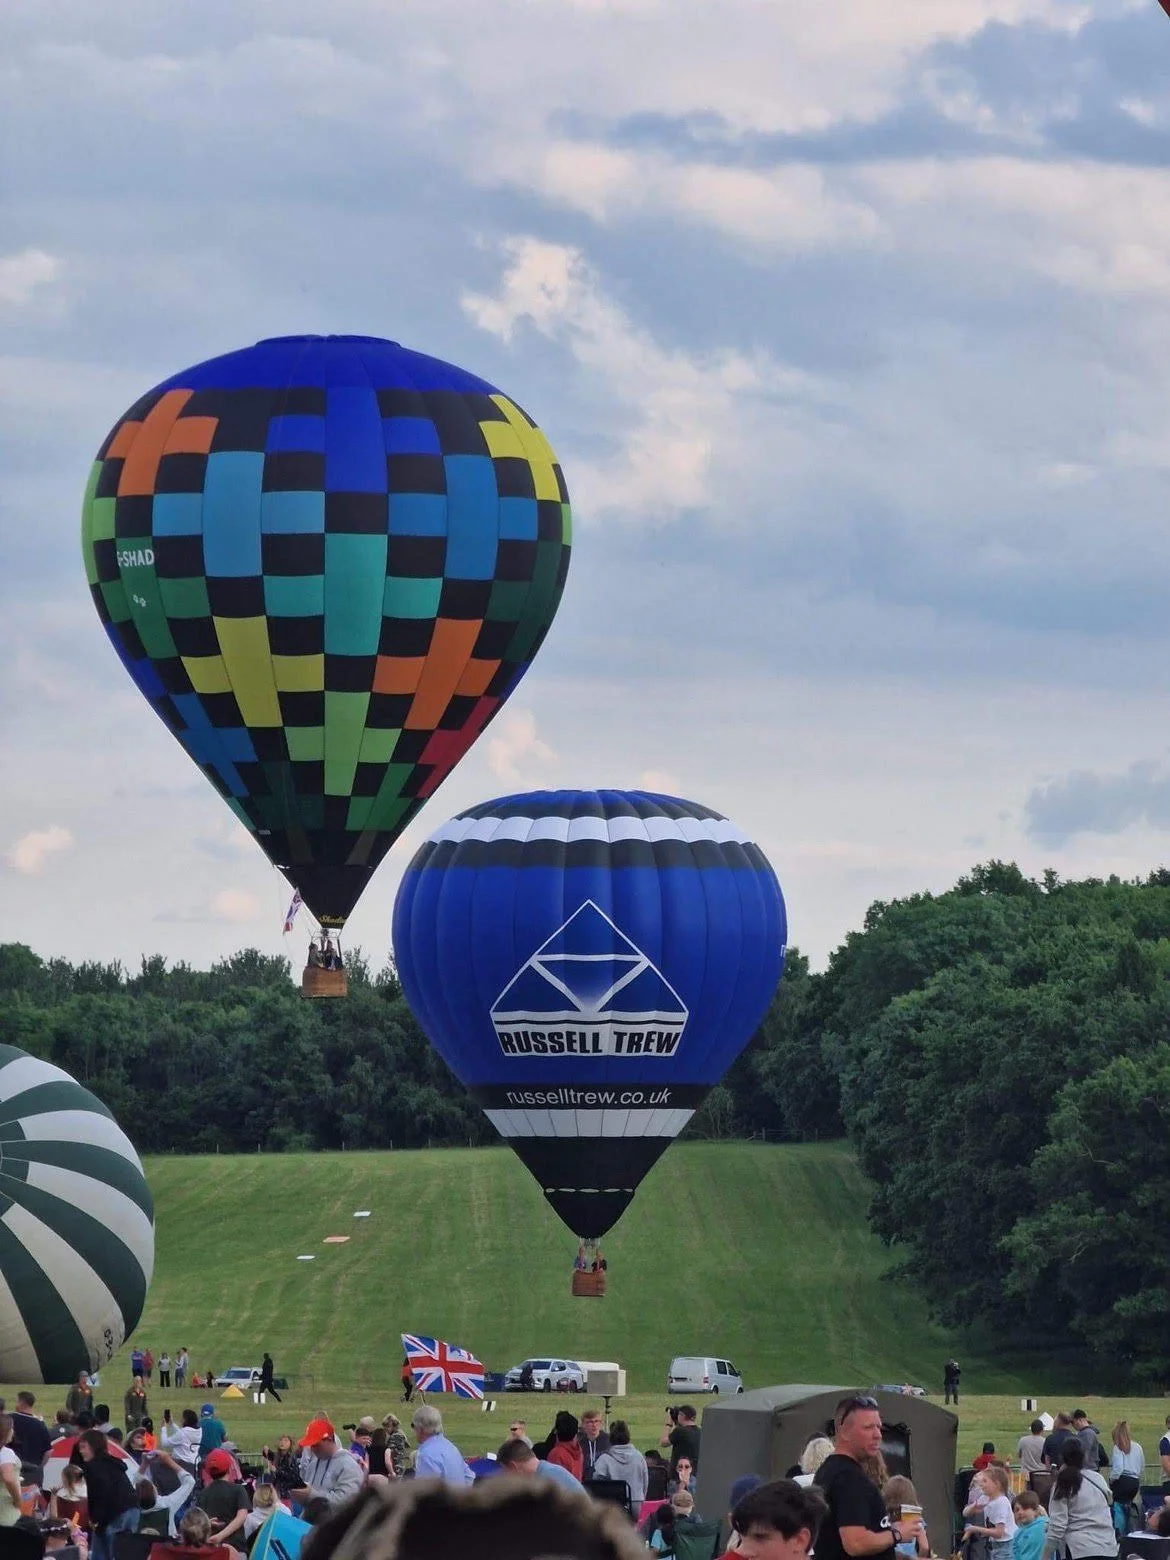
(327, 1469)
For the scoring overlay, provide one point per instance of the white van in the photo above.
(703, 1373)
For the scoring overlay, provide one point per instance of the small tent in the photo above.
(231, 1392)
(764, 1432)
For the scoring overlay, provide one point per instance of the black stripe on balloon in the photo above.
(590, 1182)
(60, 1349)
(594, 854)
(57, 1094)
(113, 1261)
(590, 804)
(591, 1096)
(88, 1159)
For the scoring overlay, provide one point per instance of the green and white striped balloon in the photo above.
(76, 1225)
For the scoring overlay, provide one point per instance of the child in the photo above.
(1031, 1526)
(898, 1492)
(997, 1522)
(265, 1501)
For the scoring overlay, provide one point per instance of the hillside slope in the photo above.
(757, 1252)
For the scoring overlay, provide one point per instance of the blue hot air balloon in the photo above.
(589, 964)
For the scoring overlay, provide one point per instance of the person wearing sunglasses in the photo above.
(857, 1523)
(518, 1430)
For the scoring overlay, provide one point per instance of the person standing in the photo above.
(1080, 1510)
(134, 1404)
(683, 1436)
(212, 1430)
(1087, 1434)
(266, 1369)
(137, 1366)
(79, 1399)
(164, 1369)
(1030, 1450)
(1054, 1442)
(327, 1469)
(1164, 1458)
(856, 1523)
(30, 1436)
(997, 1523)
(406, 1375)
(112, 1499)
(181, 1363)
(622, 1461)
(437, 1457)
(951, 1374)
(592, 1440)
(148, 1366)
(9, 1476)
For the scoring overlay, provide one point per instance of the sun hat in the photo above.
(317, 1430)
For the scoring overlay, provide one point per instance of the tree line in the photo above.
(999, 1054)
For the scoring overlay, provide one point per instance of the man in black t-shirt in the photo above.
(1164, 1457)
(30, 1436)
(682, 1435)
(857, 1524)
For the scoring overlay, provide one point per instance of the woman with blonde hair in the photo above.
(1125, 1477)
(265, 1501)
(812, 1457)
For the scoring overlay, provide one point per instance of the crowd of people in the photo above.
(83, 1480)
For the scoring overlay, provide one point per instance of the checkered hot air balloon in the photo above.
(77, 1226)
(326, 562)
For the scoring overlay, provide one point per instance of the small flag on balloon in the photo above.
(297, 901)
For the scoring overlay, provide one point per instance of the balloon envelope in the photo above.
(326, 562)
(589, 964)
(77, 1227)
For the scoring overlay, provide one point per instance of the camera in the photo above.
(672, 1414)
(349, 1427)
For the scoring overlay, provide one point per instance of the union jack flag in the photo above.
(443, 1367)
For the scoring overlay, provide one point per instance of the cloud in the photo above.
(32, 852)
(791, 208)
(235, 905)
(514, 748)
(23, 275)
(671, 414)
(1088, 802)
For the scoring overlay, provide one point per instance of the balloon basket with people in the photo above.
(324, 973)
(589, 1271)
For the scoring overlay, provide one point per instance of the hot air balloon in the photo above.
(589, 964)
(77, 1231)
(326, 562)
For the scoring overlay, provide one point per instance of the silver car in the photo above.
(548, 1375)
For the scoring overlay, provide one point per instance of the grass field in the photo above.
(757, 1253)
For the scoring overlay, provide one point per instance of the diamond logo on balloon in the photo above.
(589, 991)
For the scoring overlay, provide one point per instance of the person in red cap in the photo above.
(326, 1468)
(225, 1502)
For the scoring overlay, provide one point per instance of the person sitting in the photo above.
(265, 1501)
(225, 1502)
(150, 1500)
(195, 1541)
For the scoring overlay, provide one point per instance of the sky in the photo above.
(849, 325)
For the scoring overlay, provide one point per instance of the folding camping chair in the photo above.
(615, 1490)
(697, 1540)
